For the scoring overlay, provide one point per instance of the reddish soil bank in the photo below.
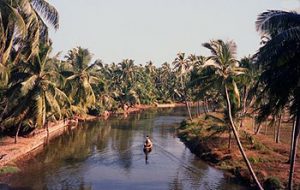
(268, 158)
(9, 151)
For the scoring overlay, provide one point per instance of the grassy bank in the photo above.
(210, 142)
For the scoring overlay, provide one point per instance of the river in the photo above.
(108, 155)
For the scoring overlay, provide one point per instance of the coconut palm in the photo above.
(33, 97)
(165, 83)
(22, 27)
(150, 69)
(279, 57)
(126, 70)
(247, 82)
(198, 82)
(225, 66)
(79, 78)
(181, 69)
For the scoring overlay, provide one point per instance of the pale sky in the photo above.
(157, 30)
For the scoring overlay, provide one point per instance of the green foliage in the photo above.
(278, 84)
(259, 146)
(249, 138)
(253, 160)
(9, 170)
(95, 110)
(272, 183)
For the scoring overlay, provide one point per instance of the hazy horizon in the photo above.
(157, 30)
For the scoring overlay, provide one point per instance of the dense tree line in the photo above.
(37, 88)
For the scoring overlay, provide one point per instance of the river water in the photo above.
(108, 155)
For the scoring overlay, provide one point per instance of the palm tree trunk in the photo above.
(294, 151)
(236, 135)
(253, 123)
(258, 129)
(17, 133)
(274, 125)
(206, 105)
(292, 139)
(278, 129)
(245, 99)
(244, 106)
(229, 141)
(198, 108)
(47, 128)
(188, 109)
(4, 110)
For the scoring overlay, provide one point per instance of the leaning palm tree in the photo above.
(23, 27)
(32, 96)
(225, 66)
(280, 59)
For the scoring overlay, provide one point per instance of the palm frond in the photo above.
(274, 21)
(28, 84)
(48, 11)
(211, 63)
(16, 17)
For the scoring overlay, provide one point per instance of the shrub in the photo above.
(9, 170)
(183, 124)
(95, 110)
(272, 183)
(259, 146)
(253, 160)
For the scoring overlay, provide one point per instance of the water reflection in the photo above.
(109, 155)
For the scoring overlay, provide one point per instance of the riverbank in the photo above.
(11, 152)
(269, 159)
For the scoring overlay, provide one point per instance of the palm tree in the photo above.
(151, 69)
(226, 68)
(80, 77)
(197, 82)
(126, 70)
(33, 97)
(10, 20)
(22, 27)
(181, 67)
(124, 83)
(165, 83)
(279, 57)
(247, 82)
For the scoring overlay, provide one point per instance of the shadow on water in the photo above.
(109, 155)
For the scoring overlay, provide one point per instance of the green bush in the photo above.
(183, 125)
(95, 110)
(248, 137)
(259, 146)
(253, 160)
(272, 183)
(9, 170)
